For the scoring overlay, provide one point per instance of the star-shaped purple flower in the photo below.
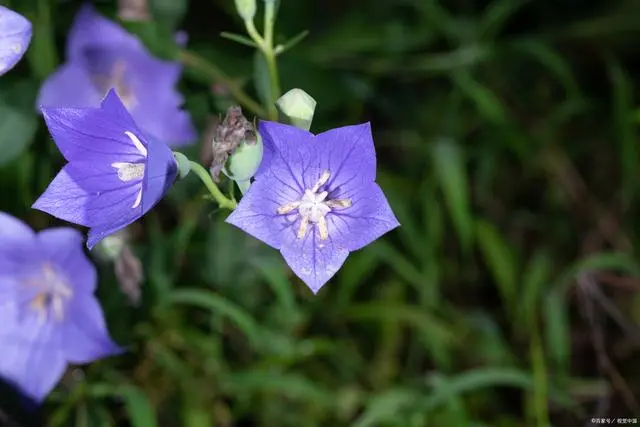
(49, 316)
(315, 198)
(15, 36)
(115, 173)
(101, 55)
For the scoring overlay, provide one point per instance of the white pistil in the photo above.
(313, 208)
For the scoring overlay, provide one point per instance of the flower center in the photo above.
(116, 79)
(313, 208)
(132, 171)
(52, 293)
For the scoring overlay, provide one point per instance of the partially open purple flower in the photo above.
(115, 173)
(49, 316)
(15, 36)
(101, 55)
(315, 199)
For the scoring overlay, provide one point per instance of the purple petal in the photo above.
(64, 247)
(313, 260)
(85, 337)
(94, 134)
(159, 110)
(12, 229)
(90, 29)
(368, 218)
(16, 241)
(256, 212)
(349, 154)
(91, 195)
(15, 36)
(69, 86)
(160, 174)
(288, 152)
(31, 356)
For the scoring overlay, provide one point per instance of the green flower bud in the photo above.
(244, 161)
(183, 164)
(298, 107)
(246, 9)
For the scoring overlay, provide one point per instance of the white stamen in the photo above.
(313, 208)
(138, 200)
(141, 148)
(53, 290)
(129, 171)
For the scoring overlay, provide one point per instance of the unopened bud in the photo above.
(298, 107)
(244, 161)
(246, 9)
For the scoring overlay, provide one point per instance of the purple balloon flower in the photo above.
(101, 55)
(49, 316)
(315, 198)
(115, 173)
(15, 36)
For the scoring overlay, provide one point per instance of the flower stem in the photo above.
(195, 61)
(265, 44)
(205, 177)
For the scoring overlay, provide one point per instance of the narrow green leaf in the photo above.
(280, 49)
(496, 15)
(450, 167)
(239, 38)
(488, 105)
(140, 411)
(624, 128)
(600, 261)
(219, 305)
(386, 407)
(169, 12)
(261, 79)
(536, 275)
(557, 331)
(500, 259)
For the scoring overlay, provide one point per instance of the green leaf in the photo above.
(488, 105)
(219, 305)
(497, 15)
(280, 49)
(478, 380)
(140, 411)
(500, 259)
(449, 165)
(535, 277)
(169, 12)
(261, 79)
(385, 407)
(599, 261)
(18, 119)
(557, 331)
(624, 128)
(239, 38)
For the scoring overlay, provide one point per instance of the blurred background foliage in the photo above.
(507, 138)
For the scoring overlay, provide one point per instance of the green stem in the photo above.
(205, 177)
(270, 56)
(193, 60)
(268, 50)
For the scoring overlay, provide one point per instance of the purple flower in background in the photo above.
(15, 36)
(115, 173)
(101, 55)
(49, 316)
(315, 199)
